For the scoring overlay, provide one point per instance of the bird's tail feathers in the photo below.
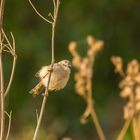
(37, 89)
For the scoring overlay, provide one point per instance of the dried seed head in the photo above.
(66, 138)
(90, 40)
(133, 68)
(137, 93)
(76, 61)
(80, 86)
(72, 46)
(85, 71)
(77, 76)
(127, 81)
(130, 86)
(86, 67)
(117, 61)
(138, 106)
(129, 111)
(97, 46)
(126, 92)
(137, 78)
(81, 90)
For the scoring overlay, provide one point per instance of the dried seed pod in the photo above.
(98, 45)
(137, 78)
(133, 68)
(127, 81)
(66, 138)
(81, 91)
(129, 111)
(85, 66)
(137, 98)
(77, 76)
(118, 63)
(126, 113)
(72, 46)
(90, 40)
(76, 61)
(138, 106)
(126, 92)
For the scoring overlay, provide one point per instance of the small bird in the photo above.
(59, 77)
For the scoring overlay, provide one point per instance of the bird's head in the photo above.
(66, 64)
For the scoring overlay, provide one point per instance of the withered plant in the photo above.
(130, 90)
(83, 78)
(5, 47)
(53, 20)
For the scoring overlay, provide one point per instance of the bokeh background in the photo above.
(116, 22)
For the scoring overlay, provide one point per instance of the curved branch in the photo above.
(38, 13)
(97, 124)
(124, 129)
(12, 76)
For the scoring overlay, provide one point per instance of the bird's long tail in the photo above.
(37, 89)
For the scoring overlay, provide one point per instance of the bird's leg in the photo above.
(50, 69)
(45, 94)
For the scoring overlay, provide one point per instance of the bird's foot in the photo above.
(50, 69)
(45, 94)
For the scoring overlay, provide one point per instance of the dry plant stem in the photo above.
(40, 118)
(9, 124)
(97, 124)
(139, 123)
(1, 75)
(135, 129)
(94, 115)
(56, 7)
(12, 48)
(2, 100)
(38, 13)
(124, 129)
(12, 76)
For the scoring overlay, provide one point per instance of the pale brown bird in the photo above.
(59, 77)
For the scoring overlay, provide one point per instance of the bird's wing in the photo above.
(45, 70)
(42, 72)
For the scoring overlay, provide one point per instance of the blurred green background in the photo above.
(116, 22)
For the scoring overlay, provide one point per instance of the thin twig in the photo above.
(14, 46)
(2, 99)
(93, 113)
(97, 125)
(90, 111)
(9, 124)
(138, 121)
(40, 118)
(45, 19)
(49, 77)
(36, 115)
(11, 76)
(1, 75)
(1, 18)
(5, 36)
(124, 129)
